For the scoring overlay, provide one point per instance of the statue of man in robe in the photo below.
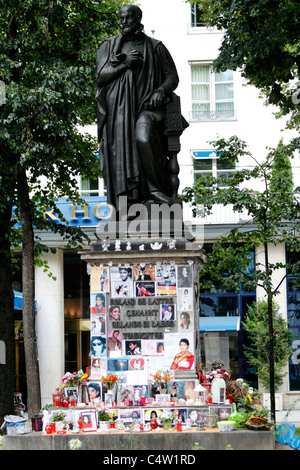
(136, 77)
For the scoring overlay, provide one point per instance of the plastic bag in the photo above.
(11, 419)
(285, 434)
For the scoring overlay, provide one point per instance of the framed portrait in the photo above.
(99, 279)
(126, 392)
(193, 415)
(153, 347)
(165, 272)
(168, 312)
(69, 391)
(136, 363)
(130, 415)
(185, 321)
(181, 414)
(222, 411)
(94, 391)
(144, 288)
(98, 303)
(121, 274)
(189, 390)
(108, 399)
(114, 313)
(114, 342)
(152, 413)
(98, 346)
(166, 288)
(185, 298)
(144, 272)
(119, 364)
(176, 389)
(185, 276)
(121, 281)
(160, 397)
(133, 347)
(98, 367)
(98, 323)
(89, 421)
(203, 411)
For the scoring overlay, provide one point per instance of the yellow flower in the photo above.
(249, 398)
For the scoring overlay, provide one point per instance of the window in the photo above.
(92, 187)
(208, 163)
(196, 16)
(212, 94)
(293, 286)
(221, 314)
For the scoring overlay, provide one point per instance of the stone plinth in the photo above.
(120, 442)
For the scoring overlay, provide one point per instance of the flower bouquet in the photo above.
(73, 380)
(167, 418)
(110, 380)
(221, 373)
(161, 379)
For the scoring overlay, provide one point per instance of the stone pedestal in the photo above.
(147, 272)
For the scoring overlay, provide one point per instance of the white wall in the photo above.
(168, 20)
(49, 295)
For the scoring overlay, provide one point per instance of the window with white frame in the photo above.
(196, 16)
(212, 93)
(92, 187)
(207, 163)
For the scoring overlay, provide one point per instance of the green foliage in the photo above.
(262, 39)
(258, 352)
(47, 57)
(282, 174)
(103, 416)
(270, 217)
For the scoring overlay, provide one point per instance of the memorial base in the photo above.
(176, 442)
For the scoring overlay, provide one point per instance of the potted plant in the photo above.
(167, 418)
(103, 420)
(58, 420)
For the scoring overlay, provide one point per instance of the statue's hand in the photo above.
(157, 98)
(133, 58)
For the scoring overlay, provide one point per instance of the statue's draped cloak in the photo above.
(119, 104)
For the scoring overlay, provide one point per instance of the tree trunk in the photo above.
(31, 360)
(271, 339)
(7, 339)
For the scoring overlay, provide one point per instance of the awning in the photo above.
(219, 323)
(18, 301)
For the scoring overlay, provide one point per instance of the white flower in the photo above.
(75, 444)
(167, 416)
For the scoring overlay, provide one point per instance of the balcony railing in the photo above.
(220, 215)
(199, 116)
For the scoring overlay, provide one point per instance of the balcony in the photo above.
(201, 116)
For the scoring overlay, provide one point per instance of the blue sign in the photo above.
(94, 210)
(204, 154)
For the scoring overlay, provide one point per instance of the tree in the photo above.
(273, 218)
(256, 326)
(47, 56)
(261, 39)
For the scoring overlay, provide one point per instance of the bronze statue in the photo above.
(136, 77)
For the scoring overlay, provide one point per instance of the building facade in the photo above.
(215, 105)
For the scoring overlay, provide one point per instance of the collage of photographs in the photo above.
(142, 320)
(189, 417)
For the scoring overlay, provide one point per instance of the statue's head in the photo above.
(130, 16)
